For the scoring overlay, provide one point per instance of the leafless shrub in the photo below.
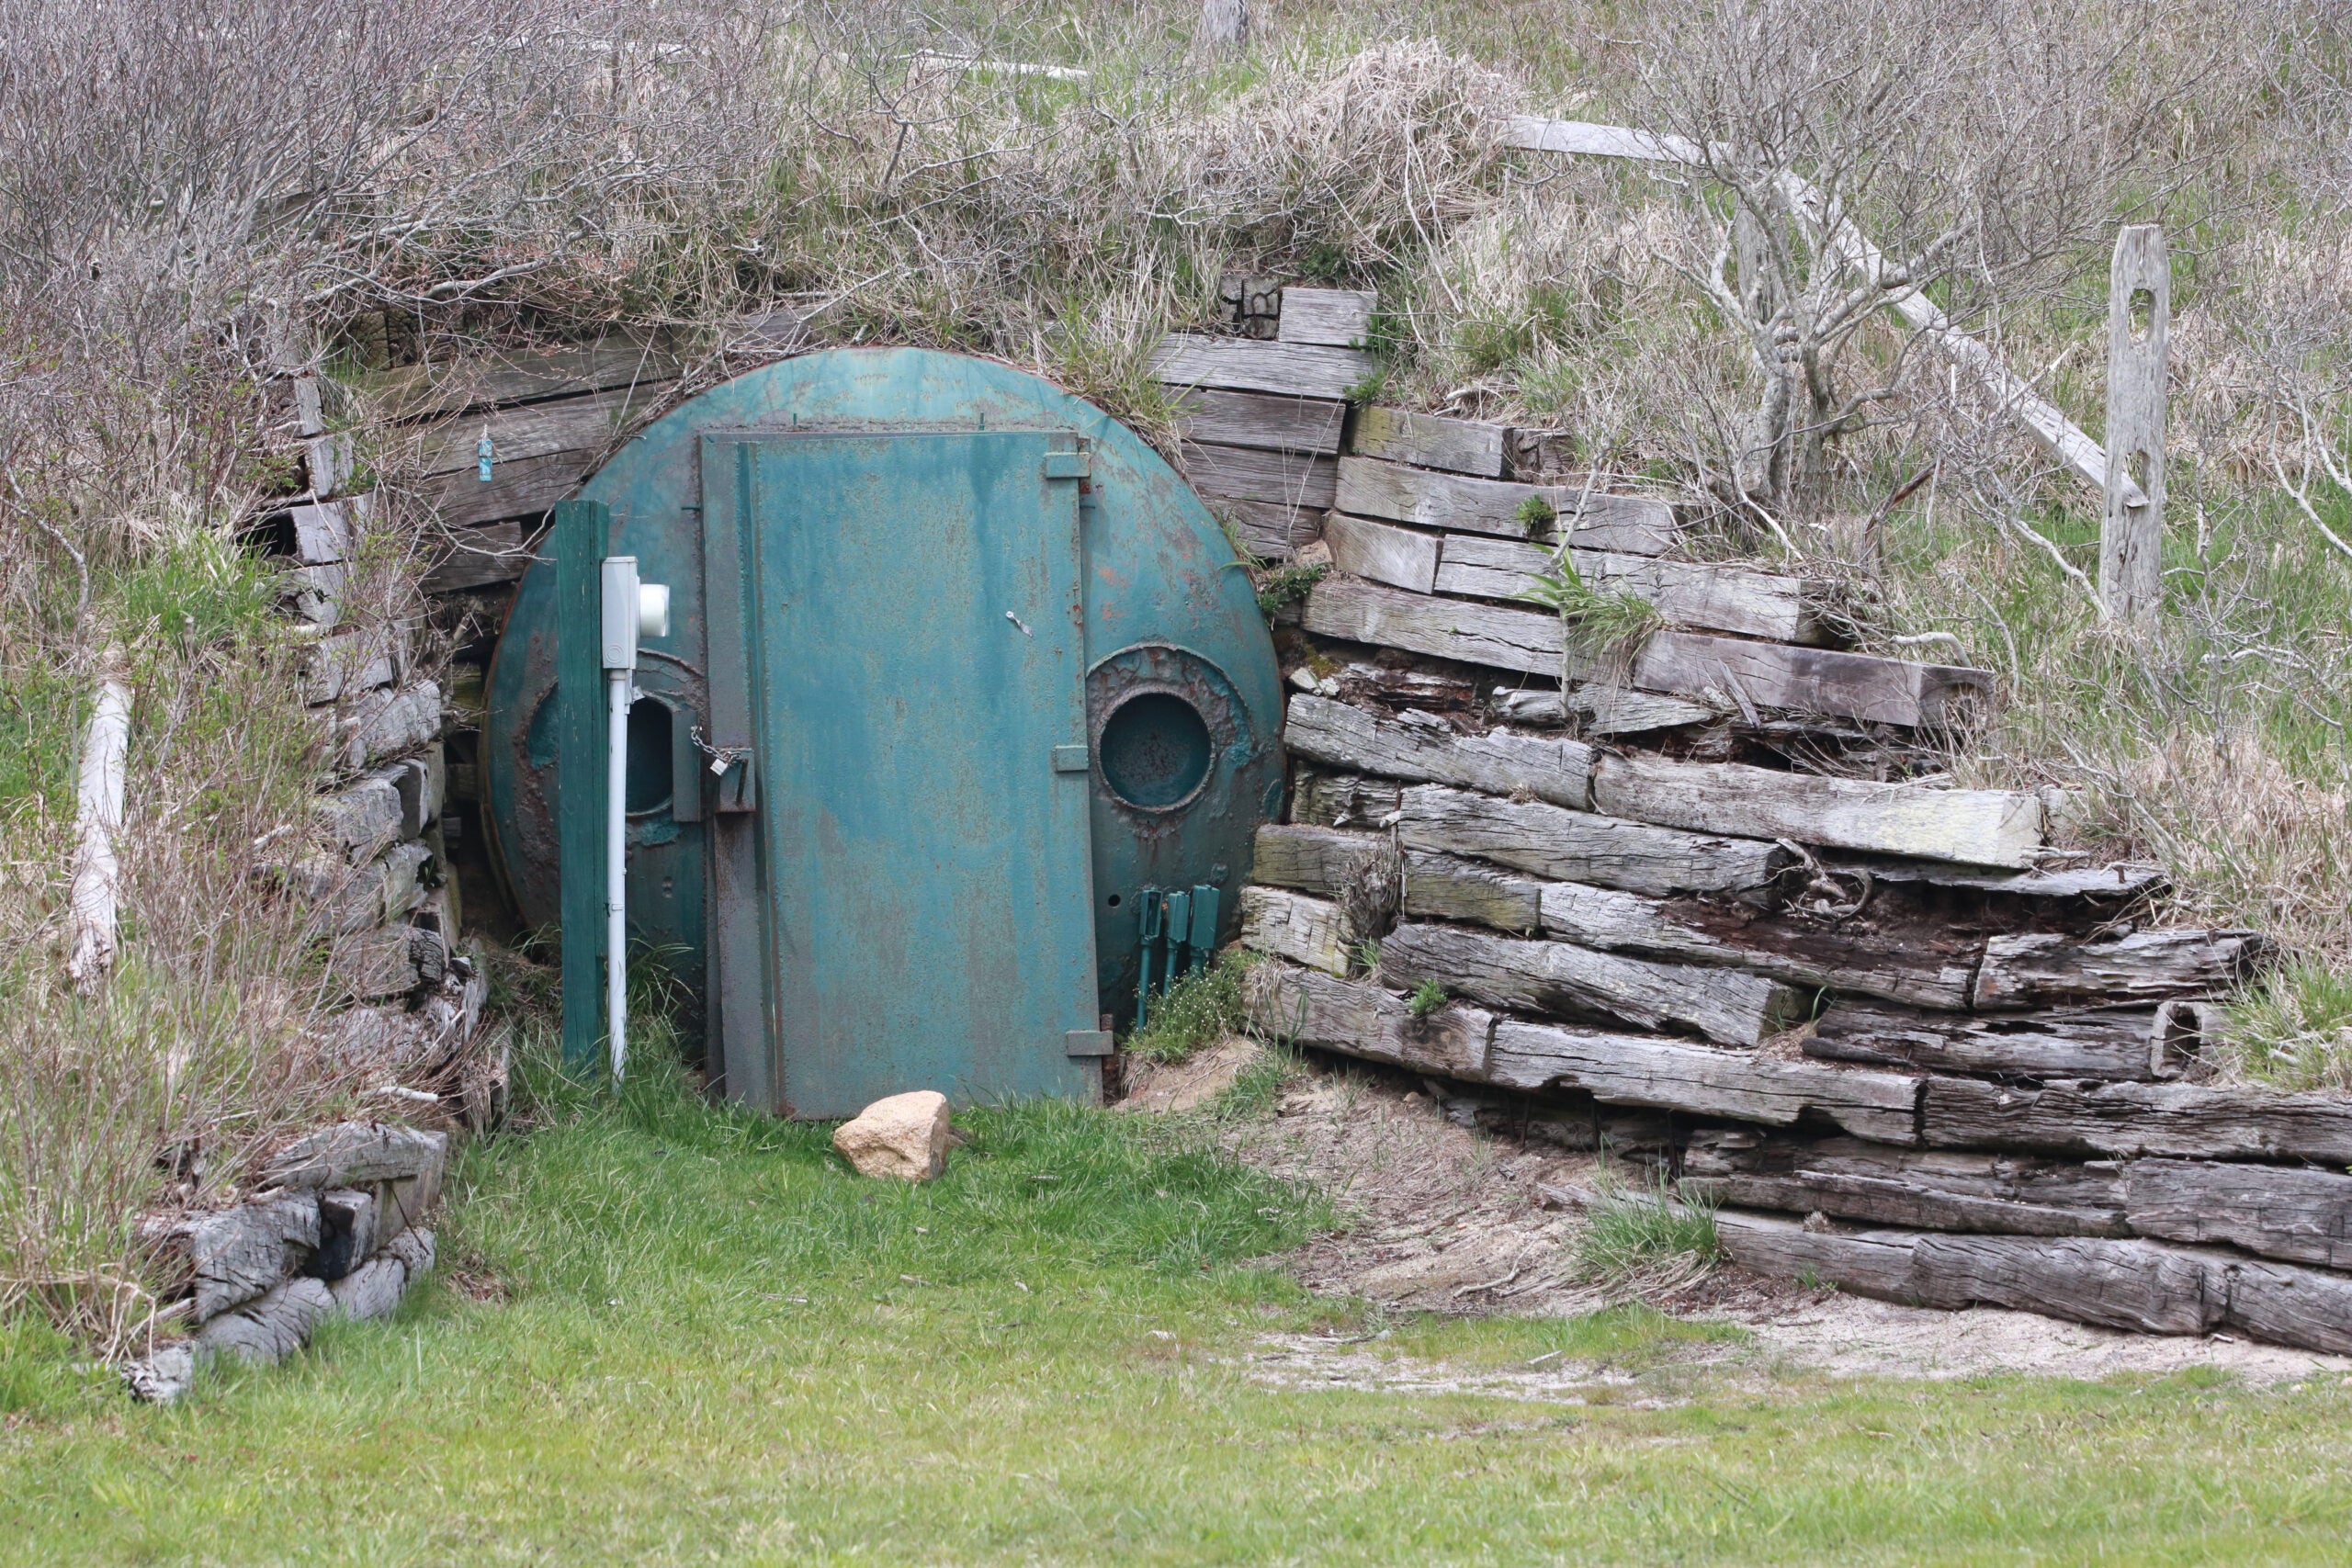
(1844, 156)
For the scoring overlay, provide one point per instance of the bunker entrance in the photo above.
(957, 669)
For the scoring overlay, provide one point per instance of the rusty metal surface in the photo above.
(1164, 602)
(917, 655)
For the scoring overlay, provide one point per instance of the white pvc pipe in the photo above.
(616, 685)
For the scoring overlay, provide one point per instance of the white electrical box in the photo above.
(620, 613)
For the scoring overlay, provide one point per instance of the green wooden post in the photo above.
(582, 531)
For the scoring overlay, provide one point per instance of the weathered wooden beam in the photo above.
(1312, 932)
(1254, 473)
(1807, 680)
(270, 1329)
(1926, 1189)
(540, 453)
(1339, 317)
(1976, 827)
(1359, 1019)
(322, 532)
(2287, 1305)
(524, 488)
(2142, 1286)
(2115, 1045)
(2134, 1285)
(1867, 1263)
(480, 557)
(1562, 845)
(1927, 966)
(1343, 800)
(2122, 880)
(1271, 529)
(1308, 425)
(1417, 745)
(2302, 1215)
(1687, 593)
(1560, 978)
(1604, 709)
(1350, 608)
(1244, 365)
(1569, 1122)
(1429, 441)
(1448, 887)
(493, 379)
(2169, 1120)
(537, 429)
(1852, 685)
(238, 1254)
(1703, 1081)
(1321, 861)
(90, 937)
(2042, 969)
(1631, 524)
(1402, 558)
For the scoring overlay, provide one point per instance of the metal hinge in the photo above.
(1069, 758)
(1068, 464)
(1087, 1043)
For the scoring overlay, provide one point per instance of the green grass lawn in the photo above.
(717, 1344)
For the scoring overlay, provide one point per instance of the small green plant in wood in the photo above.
(1535, 515)
(1427, 998)
(1288, 585)
(1608, 627)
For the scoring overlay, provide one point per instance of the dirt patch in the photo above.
(474, 1281)
(1191, 1083)
(1439, 1216)
(1442, 1216)
(1300, 1361)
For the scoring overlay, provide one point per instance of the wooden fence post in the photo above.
(2132, 537)
(1225, 23)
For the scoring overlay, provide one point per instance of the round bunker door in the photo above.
(958, 669)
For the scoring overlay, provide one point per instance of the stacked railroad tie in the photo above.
(373, 863)
(336, 1228)
(1859, 1001)
(1708, 904)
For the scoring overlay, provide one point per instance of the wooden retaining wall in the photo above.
(1712, 905)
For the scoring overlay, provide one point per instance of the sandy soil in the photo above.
(1448, 1218)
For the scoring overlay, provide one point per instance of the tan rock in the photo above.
(903, 1136)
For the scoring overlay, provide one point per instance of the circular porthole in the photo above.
(1155, 751)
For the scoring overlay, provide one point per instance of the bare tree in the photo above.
(1845, 157)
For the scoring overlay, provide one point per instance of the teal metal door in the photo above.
(912, 648)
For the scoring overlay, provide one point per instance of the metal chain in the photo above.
(721, 757)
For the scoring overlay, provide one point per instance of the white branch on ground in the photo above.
(90, 909)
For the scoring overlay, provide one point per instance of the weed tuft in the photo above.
(2292, 1028)
(1196, 1010)
(1606, 628)
(1288, 585)
(1647, 1238)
